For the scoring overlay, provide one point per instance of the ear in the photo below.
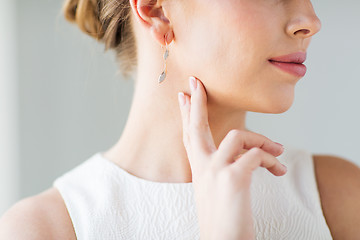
(150, 14)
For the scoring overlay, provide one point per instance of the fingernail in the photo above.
(284, 167)
(192, 82)
(181, 98)
(279, 144)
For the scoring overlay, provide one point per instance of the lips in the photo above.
(298, 57)
(291, 63)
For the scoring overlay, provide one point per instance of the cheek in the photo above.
(229, 53)
(214, 49)
(224, 38)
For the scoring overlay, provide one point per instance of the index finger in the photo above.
(200, 134)
(197, 136)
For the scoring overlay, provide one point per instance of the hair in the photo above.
(108, 21)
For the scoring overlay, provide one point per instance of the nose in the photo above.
(304, 23)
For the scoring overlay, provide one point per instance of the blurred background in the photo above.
(62, 99)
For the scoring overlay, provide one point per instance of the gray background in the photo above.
(71, 102)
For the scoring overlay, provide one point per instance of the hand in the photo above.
(222, 177)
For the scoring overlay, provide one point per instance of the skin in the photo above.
(241, 80)
(226, 54)
(226, 45)
(222, 176)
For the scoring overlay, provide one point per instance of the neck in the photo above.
(151, 145)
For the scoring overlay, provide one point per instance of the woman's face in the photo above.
(227, 44)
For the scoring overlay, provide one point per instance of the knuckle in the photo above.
(242, 165)
(195, 126)
(235, 132)
(256, 151)
(258, 135)
(267, 141)
(202, 125)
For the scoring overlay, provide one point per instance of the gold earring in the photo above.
(166, 55)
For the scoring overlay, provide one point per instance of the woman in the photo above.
(246, 55)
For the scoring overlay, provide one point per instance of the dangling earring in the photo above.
(166, 55)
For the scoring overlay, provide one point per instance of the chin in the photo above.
(281, 109)
(281, 106)
(281, 102)
(274, 106)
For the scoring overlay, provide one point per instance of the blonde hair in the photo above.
(108, 21)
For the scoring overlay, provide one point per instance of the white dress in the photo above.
(106, 202)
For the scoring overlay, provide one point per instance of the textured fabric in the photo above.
(106, 202)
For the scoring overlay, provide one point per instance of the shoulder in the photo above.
(339, 189)
(43, 216)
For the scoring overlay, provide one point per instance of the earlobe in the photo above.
(162, 35)
(151, 15)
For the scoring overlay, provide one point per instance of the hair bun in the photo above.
(86, 14)
(108, 21)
